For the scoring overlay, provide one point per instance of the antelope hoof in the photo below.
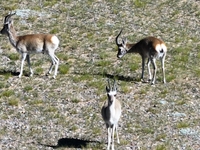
(143, 81)
(47, 74)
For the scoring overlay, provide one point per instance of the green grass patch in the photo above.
(13, 102)
(97, 84)
(197, 71)
(85, 77)
(180, 102)
(75, 79)
(39, 70)
(160, 137)
(124, 142)
(153, 110)
(198, 54)
(142, 91)
(38, 63)
(103, 55)
(55, 30)
(6, 74)
(96, 131)
(13, 56)
(170, 77)
(32, 18)
(64, 68)
(126, 89)
(2, 85)
(51, 109)
(140, 3)
(62, 56)
(7, 93)
(3, 131)
(74, 128)
(133, 67)
(163, 93)
(182, 125)
(49, 3)
(147, 131)
(103, 63)
(75, 100)
(36, 102)
(161, 147)
(129, 127)
(28, 88)
(10, 7)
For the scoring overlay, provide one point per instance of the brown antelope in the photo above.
(111, 112)
(149, 47)
(32, 43)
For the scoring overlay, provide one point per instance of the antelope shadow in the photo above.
(121, 77)
(13, 73)
(71, 143)
(111, 76)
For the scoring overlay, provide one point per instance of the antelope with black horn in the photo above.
(111, 112)
(31, 43)
(150, 48)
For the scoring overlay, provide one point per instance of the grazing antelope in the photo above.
(149, 47)
(32, 43)
(111, 112)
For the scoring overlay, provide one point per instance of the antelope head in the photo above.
(111, 91)
(122, 48)
(7, 24)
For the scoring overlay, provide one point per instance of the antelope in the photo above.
(149, 47)
(111, 112)
(31, 43)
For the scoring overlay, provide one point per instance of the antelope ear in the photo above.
(10, 22)
(124, 41)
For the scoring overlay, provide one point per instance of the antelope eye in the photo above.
(115, 95)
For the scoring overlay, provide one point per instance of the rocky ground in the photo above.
(40, 112)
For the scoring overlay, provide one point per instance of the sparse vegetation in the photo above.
(182, 125)
(7, 93)
(37, 112)
(13, 102)
(64, 69)
(14, 56)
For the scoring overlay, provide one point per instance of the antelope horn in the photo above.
(114, 85)
(118, 36)
(7, 18)
(109, 84)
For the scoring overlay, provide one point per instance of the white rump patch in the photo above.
(55, 40)
(161, 49)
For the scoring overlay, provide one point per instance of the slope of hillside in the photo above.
(40, 112)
